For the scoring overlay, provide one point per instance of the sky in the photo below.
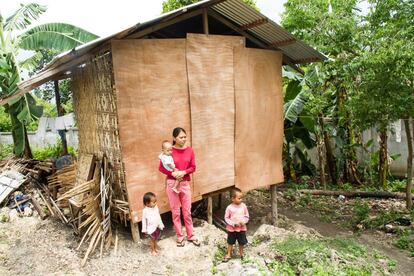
(106, 17)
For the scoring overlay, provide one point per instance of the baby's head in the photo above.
(166, 147)
(236, 196)
(150, 200)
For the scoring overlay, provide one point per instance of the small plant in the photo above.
(219, 254)
(360, 212)
(406, 241)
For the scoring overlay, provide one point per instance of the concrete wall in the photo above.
(49, 139)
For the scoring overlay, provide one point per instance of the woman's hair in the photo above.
(147, 198)
(234, 192)
(176, 132)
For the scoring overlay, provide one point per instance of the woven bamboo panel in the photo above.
(211, 87)
(259, 118)
(152, 93)
(96, 115)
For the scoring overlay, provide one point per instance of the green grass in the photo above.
(326, 257)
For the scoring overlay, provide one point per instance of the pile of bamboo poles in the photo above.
(94, 216)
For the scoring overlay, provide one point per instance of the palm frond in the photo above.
(56, 36)
(24, 16)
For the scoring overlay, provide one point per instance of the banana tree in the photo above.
(14, 37)
(298, 126)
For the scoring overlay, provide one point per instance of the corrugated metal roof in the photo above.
(244, 18)
(268, 32)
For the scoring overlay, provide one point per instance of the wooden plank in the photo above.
(152, 97)
(85, 171)
(211, 88)
(259, 118)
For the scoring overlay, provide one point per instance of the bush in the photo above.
(50, 151)
(5, 150)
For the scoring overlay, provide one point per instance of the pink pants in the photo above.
(183, 200)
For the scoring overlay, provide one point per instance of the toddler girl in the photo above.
(236, 217)
(151, 221)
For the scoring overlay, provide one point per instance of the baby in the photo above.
(168, 162)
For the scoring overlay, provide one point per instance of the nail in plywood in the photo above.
(259, 118)
(211, 87)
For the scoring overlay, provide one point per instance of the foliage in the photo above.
(406, 241)
(326, 257)
(5, 151)
(15, 36)
(47, 90)
(170, 5)
(51, 151)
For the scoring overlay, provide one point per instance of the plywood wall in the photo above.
(259, 118)
(227, 97)
(211, 88)
(152, 92)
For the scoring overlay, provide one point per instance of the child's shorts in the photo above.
(239, 236)
(156, 234)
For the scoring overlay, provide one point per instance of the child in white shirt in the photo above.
(168, 161)
(151, 221)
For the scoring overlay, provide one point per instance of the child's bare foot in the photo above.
(175, 190)
(226, 258)
(154, 253)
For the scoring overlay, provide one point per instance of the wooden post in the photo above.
(210, 210)
(60, 112)
(134, 226)
(273, 191)
(205, 21)
(220, 200)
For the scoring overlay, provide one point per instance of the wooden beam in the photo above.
(210, 210)
(283, 42)
(273, 195)
(165, 24)
(205, 21)
(254, 24)
(287, 60)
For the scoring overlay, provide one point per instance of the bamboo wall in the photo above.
(96, 116)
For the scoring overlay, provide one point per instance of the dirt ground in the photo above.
(30, 246)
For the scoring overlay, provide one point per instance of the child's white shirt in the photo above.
(151, 219)
(167, 161)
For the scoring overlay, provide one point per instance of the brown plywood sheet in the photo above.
(259, 118)
(211, 88)
(152, 96)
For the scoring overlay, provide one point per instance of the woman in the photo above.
(184, 161)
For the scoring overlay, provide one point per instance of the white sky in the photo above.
(106, 17)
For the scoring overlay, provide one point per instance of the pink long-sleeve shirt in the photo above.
(234, 215)
(184, 160)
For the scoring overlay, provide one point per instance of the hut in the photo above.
(213, 68)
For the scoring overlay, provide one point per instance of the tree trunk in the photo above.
(409, 201)
(27, 153)
(383, 159)
(321, 151)
(351, 163)
(289, 162)
(379, 194)
(60, 112)
(330, 159)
